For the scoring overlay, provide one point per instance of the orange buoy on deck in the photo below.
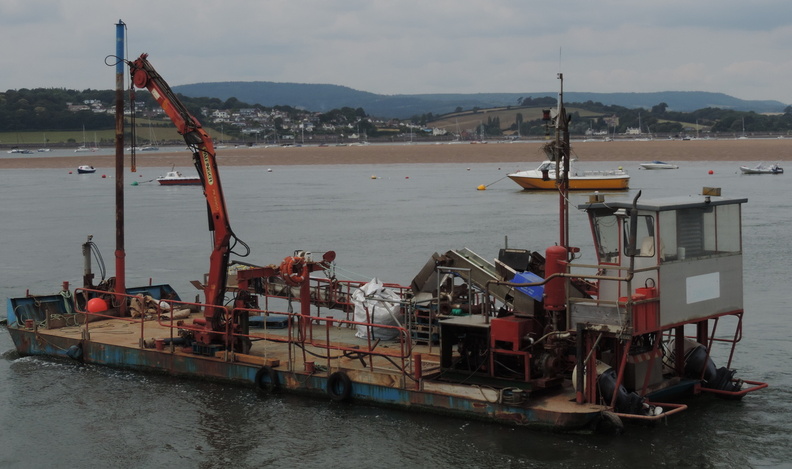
(96, 305)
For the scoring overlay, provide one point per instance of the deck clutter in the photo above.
(529, 337)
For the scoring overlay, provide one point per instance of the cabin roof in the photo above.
(664, 204)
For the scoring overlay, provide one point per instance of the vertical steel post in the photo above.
(562, 154)
(87, 274)
(620, 376)
(120, 254)
(418, 364)
(305, 306)
(679, 350)
(581, 365)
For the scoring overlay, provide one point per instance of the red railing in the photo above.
(299, 332)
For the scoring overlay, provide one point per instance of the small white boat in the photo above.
(23, 151)
(175, 178)
(658, 165)
(762, 168)
(85, 169)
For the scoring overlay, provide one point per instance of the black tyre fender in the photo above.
(75, 352)
(610, 423)
(339, 386)
(266, 379)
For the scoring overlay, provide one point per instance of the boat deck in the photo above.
(328, 347)
(270, 343)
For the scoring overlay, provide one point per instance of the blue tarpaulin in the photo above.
(529, 277)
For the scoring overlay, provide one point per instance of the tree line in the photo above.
(45, 109)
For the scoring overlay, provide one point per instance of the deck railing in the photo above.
(305, 334)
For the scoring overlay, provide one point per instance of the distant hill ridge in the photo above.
(323, 97)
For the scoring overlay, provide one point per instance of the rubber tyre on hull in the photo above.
(267, 379)
(339, 386)
(609, 424)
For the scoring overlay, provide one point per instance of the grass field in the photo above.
(469, 120)
(57, 138)
(162, 131)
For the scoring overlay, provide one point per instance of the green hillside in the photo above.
(325, 97)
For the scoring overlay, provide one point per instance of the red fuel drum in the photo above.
(645, 315)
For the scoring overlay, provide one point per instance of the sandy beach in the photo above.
(769, 150)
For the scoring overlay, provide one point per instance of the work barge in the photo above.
(527, 338)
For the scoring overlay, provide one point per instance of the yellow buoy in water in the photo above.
(481, 187)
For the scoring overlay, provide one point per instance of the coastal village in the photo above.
(283, 123)
(238, 123)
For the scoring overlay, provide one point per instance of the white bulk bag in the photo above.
(383, 308)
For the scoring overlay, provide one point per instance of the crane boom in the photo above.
(204, 157)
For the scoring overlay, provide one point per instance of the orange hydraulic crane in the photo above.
(204, 157)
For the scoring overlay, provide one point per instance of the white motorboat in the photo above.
(658, 165)
(175, 178)
(762, 168)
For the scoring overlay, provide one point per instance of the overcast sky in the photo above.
(741, 48)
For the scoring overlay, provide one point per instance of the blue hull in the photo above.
(28, 342)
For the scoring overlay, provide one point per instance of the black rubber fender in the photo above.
(75, 352)
(267, 379)
(610, 423)
(339, 386)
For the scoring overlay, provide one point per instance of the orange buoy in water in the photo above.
(481, 187)
(96, 305)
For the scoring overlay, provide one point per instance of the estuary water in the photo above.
(383, 221)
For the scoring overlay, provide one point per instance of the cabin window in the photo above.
(700, 232)
(606, 236)
(728, 228)
(667, 224)
(691, 233)
(645, 242)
